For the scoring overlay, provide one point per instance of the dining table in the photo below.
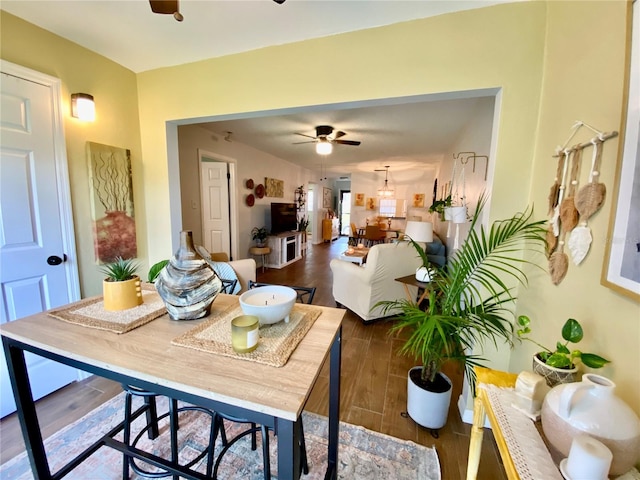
(145, 357)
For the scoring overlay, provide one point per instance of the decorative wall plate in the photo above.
(249, 184)
(251, 200)
(260, 190)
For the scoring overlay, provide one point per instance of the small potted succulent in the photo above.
(559, 365)
(121, 287)
(259, 235)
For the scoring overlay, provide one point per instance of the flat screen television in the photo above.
(284, 217)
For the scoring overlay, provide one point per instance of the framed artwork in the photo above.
(371, 203)
(418, 200)
(326, 197)
(621, 269)
(273, 187)
(359, 200)
(111, 198)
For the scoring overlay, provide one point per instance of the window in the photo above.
(390, 207)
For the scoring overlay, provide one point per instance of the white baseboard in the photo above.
(466, 414)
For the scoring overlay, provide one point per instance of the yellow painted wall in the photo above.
(115, 92)
(583, 80)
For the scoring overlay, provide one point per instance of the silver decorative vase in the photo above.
(188, 285)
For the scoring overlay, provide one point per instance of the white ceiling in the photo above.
(401, 132)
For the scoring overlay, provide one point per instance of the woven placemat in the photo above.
(91, 313)
(276, 343)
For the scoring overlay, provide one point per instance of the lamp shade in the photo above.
(419, 231)
(324, 147)
(82, 107)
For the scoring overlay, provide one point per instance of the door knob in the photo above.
(56, 260)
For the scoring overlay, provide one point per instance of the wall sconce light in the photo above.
(324, 147)
(82, 107)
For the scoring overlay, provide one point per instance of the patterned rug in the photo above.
(363, 454)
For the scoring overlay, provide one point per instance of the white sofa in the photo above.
(245, 270)
(359, 288)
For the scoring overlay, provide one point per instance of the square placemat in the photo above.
(277, 341)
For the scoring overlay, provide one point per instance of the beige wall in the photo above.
(554, 62)
(250, 163)
(115, 92)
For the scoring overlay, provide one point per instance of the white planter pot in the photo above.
(423, 274)
(554, 376)
(455, 214)
(426, 408)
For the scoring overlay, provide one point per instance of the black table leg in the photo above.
(288, 435)
(334, 406)
(26, 410)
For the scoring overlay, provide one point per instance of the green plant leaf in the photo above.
(572, 331)
(592, 360)
(561, 348)
(558, 360)
(155, 270)
(524, 321)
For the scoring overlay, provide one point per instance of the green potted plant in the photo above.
(121, 287)
(469, 304)
(259, 235)
(560, 365)
(438, 206)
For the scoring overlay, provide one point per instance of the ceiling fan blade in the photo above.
(347, 142)
(339, 134)
(308, 141)
(303, 135)
(279, 2)
(164, 6)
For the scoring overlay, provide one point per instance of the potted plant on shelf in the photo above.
(121, 289)
(259, 235)
(469, 304)
(560, 365)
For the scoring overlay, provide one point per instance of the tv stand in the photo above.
(286, 248)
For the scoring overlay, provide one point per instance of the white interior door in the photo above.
(214, 190)
(35, 248)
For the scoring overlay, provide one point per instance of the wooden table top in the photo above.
(147, 353)
(411, 280)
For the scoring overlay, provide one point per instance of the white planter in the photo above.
(455, 214)
(423, 274)
(554, 376)
(426, 408)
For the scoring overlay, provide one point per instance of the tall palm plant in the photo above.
(469, 300)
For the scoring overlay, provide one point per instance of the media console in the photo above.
(286, 248)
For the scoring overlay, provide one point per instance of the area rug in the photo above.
(363, 454)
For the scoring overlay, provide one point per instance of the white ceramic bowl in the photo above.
(270, 303)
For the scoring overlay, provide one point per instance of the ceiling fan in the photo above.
(325, 138)
(171, 7)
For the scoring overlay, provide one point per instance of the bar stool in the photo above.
(152, 431)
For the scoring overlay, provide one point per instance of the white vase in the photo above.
(591, 407)
(423, 274)
(456, 214)
(426, 408)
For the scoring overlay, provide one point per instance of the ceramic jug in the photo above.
(591, 407)
(188, 285)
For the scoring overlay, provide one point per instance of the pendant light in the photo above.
(385, 191)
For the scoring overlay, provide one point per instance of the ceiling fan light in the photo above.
(323, 147)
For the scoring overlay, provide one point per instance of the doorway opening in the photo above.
(345, 212)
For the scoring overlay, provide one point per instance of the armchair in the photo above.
(360, 288)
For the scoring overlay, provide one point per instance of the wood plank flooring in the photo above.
(373, 393)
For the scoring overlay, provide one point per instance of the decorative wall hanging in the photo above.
(359, 200)
(570, 206)
(300, 197)
(621, 269)
(251, 200)
(274, 187)
(327, 197)
(249, 184)
(111, 196)
(371, 203)
(418, 200)
(259, 190)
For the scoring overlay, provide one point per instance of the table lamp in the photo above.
(420, 232)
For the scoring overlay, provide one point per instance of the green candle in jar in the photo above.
(245, 333)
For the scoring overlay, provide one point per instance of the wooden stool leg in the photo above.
(475, 443)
